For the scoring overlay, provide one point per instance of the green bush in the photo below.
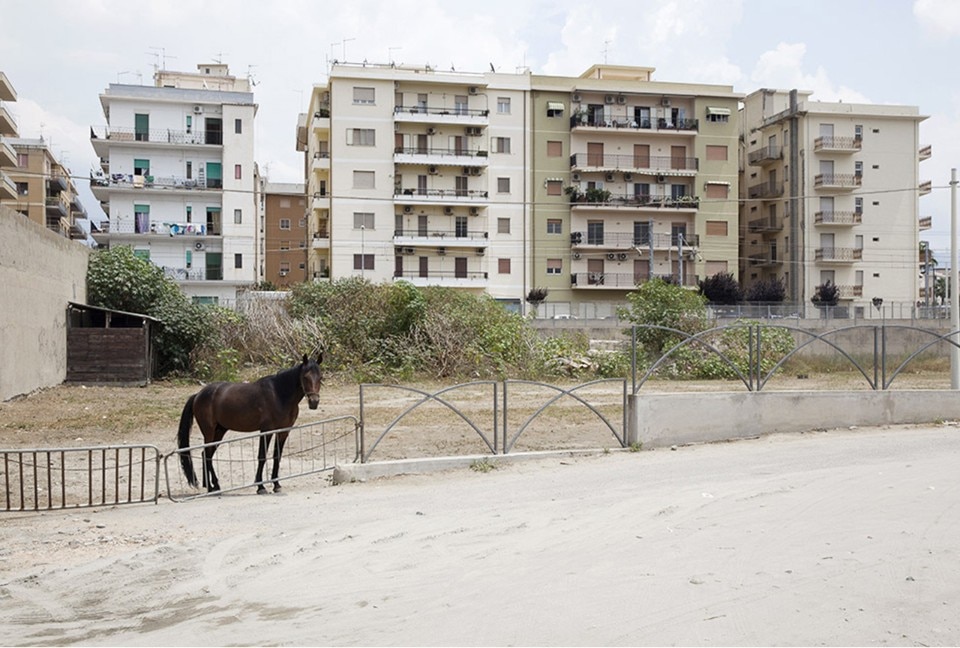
(659, 303)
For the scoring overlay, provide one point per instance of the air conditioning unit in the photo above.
(611, 256)
(473, 131)
(474, 211)
(608, 99)
(627, 177)
(407, 209)
(467, 170)
(621, 99)
(661, 178)
(481, 251)
(407, 250)
(432, 170)
(575, 177)
(431, 131)
(441, 251)
(472, 90)
(198, 109)
(283, 273)
(665, 101)
(622, 256)
(199, 246)
(448, 211)
(609, 177)
(576, 256)
(576, 97)
(473, 171)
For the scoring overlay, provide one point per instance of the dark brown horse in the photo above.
(270, 403)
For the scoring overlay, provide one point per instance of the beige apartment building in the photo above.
(285, 237)
(8, 129)
(502, 183)
(831, 193)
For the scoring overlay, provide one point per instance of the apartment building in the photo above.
(178, 178)
(831, 194)
(8, 129)
(285, 236)
(502, 183)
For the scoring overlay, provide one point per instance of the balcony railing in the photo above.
(629, 123)
(636, 201)
(57, 205)
(440, 236)
(438, 152)
(838, 254)
(146, 227)
(837, 180)
(766, 190)
(850, 291)
(628, 241)
(637, 163)
(925, 152)
(841, 144)
(157, 135)
(428, 110)
(192, 274)
(766, 224)
(440, 193)
(626, 280)
(837, 218)
(765, 155)
(127, 181)
(765, 259)
(443, 276)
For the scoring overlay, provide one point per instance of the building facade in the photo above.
(285, 236)
(178, 178)
(8, 129)
(831, 193)
(502, 183)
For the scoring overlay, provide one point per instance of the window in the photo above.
(554, 109)
(503, 266)
(284, 223)
(718, 115)
(363, 220)
(501, 144)
(284, 203)
(22, 189)
(238, 260)
(717, 191)
(284, 267)
(284, 246)
(238, 126)
(460, 104)
(23, 159)
(364, 95)
(237, 171)
(141, 167)
(594, 232)
(189, 170)
(858, 205)
(189, 124)
(237, 216)
(716, 228)
(363, 262)
(503, 105)
(715, 267)
(554, 187)
(361, 137)
(554, 266)
(716, 152)
(554, 149)
(503, 226)
(363, 180)
(141, 219)
(503, 185)
(858, 168)
(554, 226)
(678, 191)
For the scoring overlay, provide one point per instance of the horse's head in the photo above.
(311, 379)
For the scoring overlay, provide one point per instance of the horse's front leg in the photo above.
(277, 454)
(209, 475)
(261, 462)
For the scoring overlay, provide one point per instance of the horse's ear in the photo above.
(319, 357)
(305, 360)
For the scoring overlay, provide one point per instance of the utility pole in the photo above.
(954, 284)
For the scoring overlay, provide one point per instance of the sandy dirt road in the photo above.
(833, 538)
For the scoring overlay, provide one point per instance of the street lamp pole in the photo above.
(954, 284)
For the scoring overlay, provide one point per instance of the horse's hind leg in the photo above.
(277, 454)
(209, 474)
(261, 461)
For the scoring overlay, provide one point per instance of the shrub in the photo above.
(770, 289)
(659, 303)
(721, 288)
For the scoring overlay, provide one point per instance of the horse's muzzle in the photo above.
(313, 400)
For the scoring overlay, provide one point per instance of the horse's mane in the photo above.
(286, 382)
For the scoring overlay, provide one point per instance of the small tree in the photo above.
(721, 288)
(659, 303)
(826, 294)
(771, 289)
(535, 297)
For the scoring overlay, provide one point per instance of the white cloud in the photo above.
(939, 18)
(782, 68)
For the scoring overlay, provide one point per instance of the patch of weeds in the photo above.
(482, 465)
(636, 446)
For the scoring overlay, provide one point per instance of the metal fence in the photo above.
(66, 478)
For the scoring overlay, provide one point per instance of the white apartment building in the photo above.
(467, 180)
(831, 193)
(177, 178)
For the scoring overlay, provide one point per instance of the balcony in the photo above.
(321, 119)
(8, 190)
(8, 156)
(766, 190)
(837, 218)
(57, 182)
(7, 91)
(766, 224)
(765, 155)
(768, 258)
(321, 200)
(925, 187)
(321, 161)
(837, 181)
(643, 164)
(925, 153)
(193, 274)
(605, 199)
(447, 278)
(8, 125)
(100, 137)
(838, 255)
(925, 223)
(417, 196)
(321, 240)
(440, 157)
(629, 241)
(143, 227)
(626, 280)
(442, 115)
(101, 185)
(850, 291)
(585, 121)
(831, 144)
(457, 238)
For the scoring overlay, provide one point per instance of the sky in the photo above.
(60, 55)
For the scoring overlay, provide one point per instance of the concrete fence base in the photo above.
(658, 420)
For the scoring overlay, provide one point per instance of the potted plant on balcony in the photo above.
(595, 195)
(573, 191)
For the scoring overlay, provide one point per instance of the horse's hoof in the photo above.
(276, 488)
(262, 490)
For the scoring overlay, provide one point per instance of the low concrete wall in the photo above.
(658, 420)
(39, 272)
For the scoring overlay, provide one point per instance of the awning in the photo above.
(555, 105)
(718, 111)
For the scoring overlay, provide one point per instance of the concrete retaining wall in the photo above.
(39, 273)
(659, 420)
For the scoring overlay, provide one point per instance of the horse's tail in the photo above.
(183, 441)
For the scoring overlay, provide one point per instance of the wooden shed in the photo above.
(108, 346)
